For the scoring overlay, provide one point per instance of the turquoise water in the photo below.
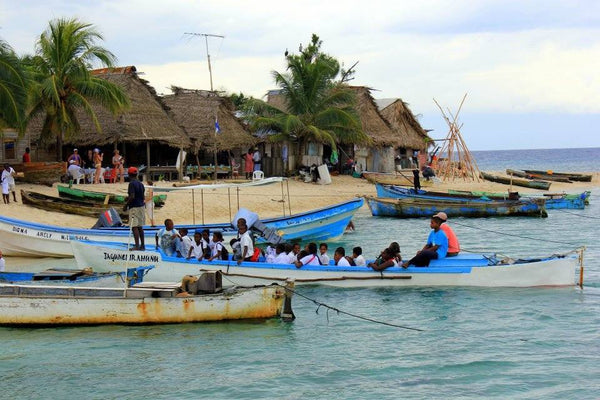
(476, 343)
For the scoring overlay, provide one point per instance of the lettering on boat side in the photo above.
(75, 237)
(132, 257)
(46, 235)
(18, 229)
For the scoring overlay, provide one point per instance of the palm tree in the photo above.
(13, 89)
(318, 107)
(64, 85)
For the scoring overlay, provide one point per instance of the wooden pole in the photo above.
(282, 199)
(287, 182)
(238, 197)
(581, 267)
(229, 201)
(193, 208)
(202, 197)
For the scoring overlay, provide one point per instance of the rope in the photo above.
(513, 235)
(580, 215)
(328, 307)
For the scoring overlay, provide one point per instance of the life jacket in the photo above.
(255, 256)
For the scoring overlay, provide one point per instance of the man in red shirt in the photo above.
(26, 155)
(453, 245)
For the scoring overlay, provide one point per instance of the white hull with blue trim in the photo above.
(462, 270)
(29, 239)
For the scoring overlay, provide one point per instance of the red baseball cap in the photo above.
(132, 170)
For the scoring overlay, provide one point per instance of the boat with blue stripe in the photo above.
(30, 239)
(463, 270)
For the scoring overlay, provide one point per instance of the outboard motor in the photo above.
(108, 219)
(255, 225)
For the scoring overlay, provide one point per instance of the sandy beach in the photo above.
(265, 200)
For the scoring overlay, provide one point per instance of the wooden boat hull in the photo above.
(44, 277)
(552, 201)
(533, 184)
(414, 208)
(463, 270)
(23, 305)
(523, 174)
(572, 176)
(393, 179)
(100, 197)
(45, 173)
(28, 239)
(50, 203)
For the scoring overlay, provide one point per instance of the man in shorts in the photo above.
(135, 204)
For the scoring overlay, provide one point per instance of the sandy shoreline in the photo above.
(265, 200)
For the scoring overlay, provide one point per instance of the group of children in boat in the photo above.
(442, 242)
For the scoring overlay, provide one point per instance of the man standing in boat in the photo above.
(135, 204)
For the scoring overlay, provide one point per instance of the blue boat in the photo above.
(553, 200)
(419, 207)
(29, 239)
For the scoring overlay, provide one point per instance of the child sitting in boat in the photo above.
(197, 246)
(293, 254)
(281, 256)
(340, 257)
(218, 250)
(358, 258)
(165, 237)
(386, 260)
(435, 248)
(208, 245)
(184, 243)
(311, 258)
(323, 257)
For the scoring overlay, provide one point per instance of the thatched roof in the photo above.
(195, 111)
(373, 123)
(147, 119)
(408, 130)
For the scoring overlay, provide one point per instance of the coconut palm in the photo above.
(64, 85)
(317, 106)
(13, 89)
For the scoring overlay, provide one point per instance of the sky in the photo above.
(530, 69)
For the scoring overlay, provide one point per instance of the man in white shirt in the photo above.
(256, 157)
(340, 257)
(9, 174)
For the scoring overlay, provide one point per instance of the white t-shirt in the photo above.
(8, 177)
(184, 245)
(2, 264)
(282, 258)
(324, 259)
(217, 247)
(197, 249)
(246, 241)
(292, 257)
(360, 261)
(310, 259)
(166, 239)
(342, 262)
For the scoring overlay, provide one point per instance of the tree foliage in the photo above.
(13, 89)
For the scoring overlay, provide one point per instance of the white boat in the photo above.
(25, 305)
(30, 239)
(462, 270)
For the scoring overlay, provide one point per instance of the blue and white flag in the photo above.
(217, 127)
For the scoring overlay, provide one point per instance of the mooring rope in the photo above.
(580, 215)
(512, 234)
(328, 307)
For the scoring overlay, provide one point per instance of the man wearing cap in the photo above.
(75, 158)
(135, 204)
(436, 247)
(453, 245)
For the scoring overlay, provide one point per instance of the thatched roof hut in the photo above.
(148, 119)
(409, 132)
(195, 111)
(373, 123)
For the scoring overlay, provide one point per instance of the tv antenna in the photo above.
(206, 36)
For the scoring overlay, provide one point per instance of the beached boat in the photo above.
(63, 276)
(507, 180)
(26, 305)
(462, 270)
(45, 173)
(552, 200)
(29, 239)
(50, 203)
(393, 178)
(413, 208)
(72, 192)
(526, 175)
(572, 176)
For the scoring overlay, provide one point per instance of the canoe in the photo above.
(393, 179)
(527, 175)
(76, 193)
(553, 200)
(414, 208)
(50, 203)
(463, 270)
(533, 184)
(31, 305)
(45, 173)
(573, 176)
(29, 239)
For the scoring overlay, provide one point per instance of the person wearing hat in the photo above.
(135, 204)
(453, 245)
(435, 249)
(75, 158)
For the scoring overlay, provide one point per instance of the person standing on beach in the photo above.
(27, 155)
(135, 204)
(256, 158)
(248, 164)
(8, 176)
(149, 201)
(117, 162)
(98, 157)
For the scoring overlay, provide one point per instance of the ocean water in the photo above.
(475, 343)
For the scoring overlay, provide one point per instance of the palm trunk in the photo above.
(59, 145)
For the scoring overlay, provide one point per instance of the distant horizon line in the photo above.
(553, 148)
